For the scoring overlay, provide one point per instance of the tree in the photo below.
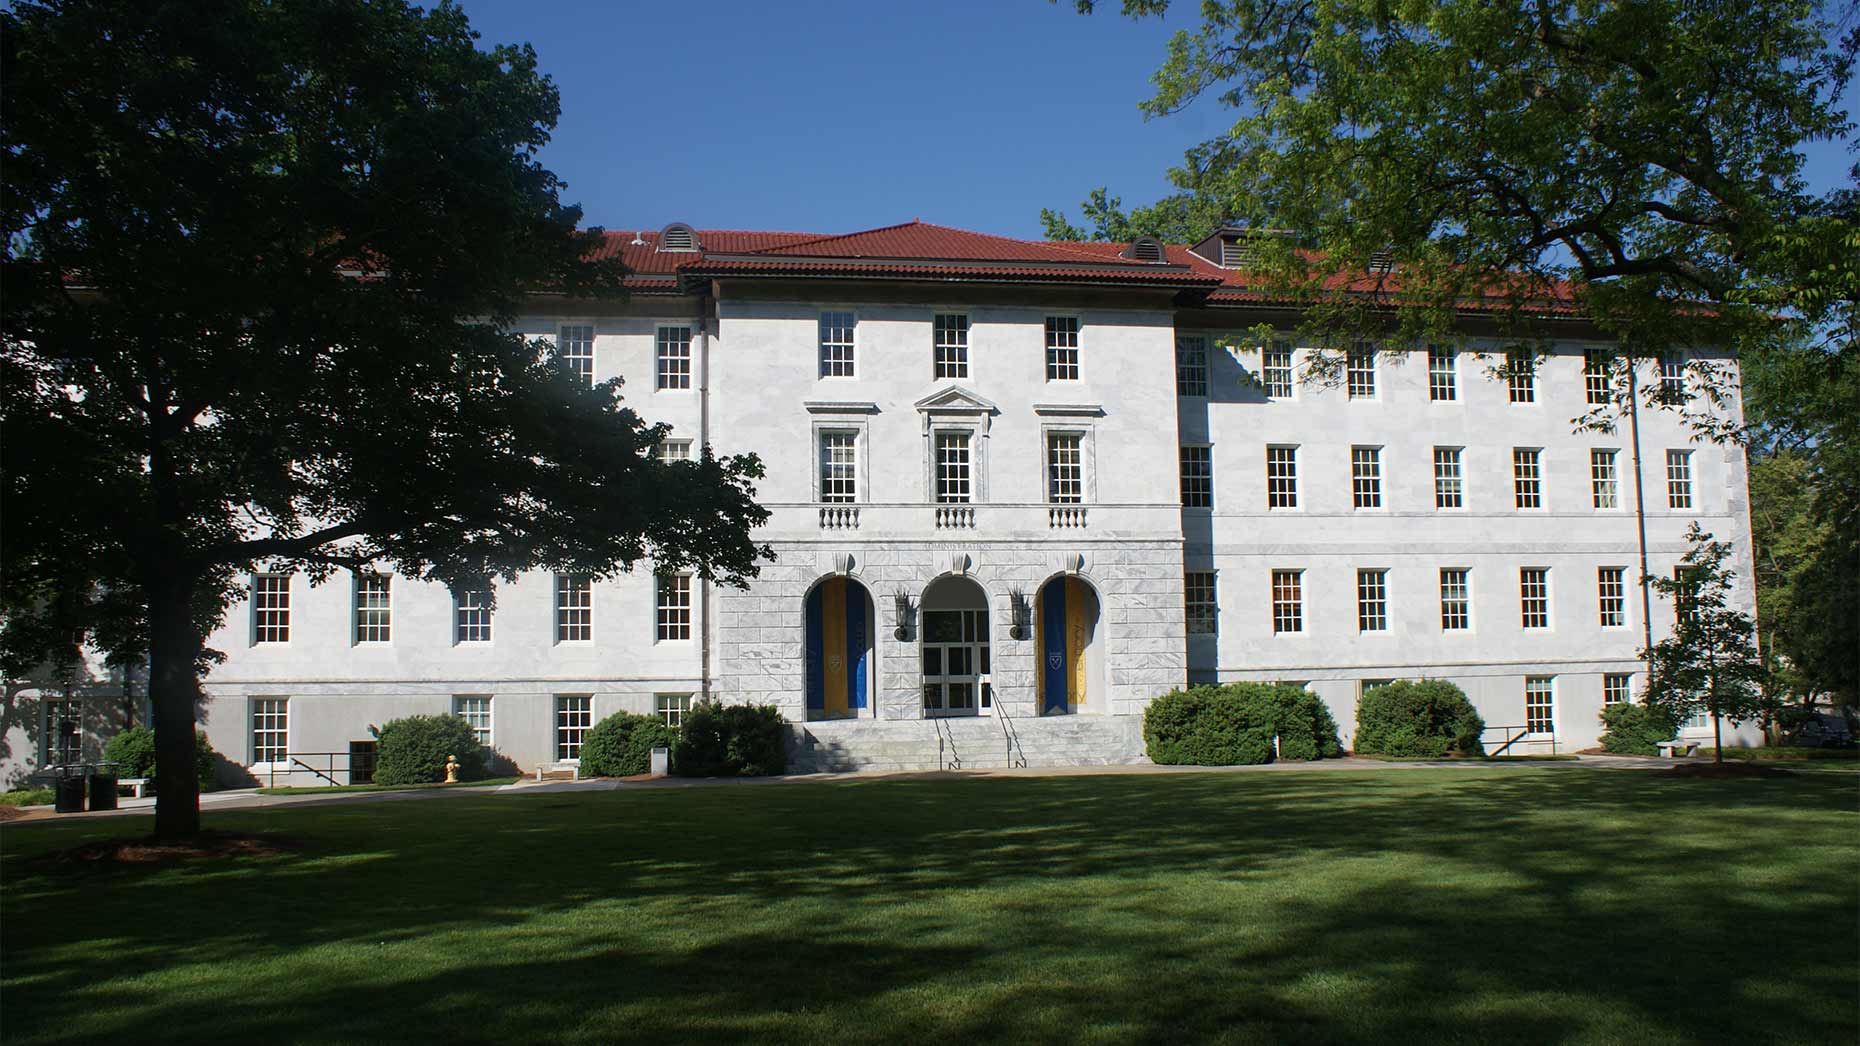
(1711, 661)
(1807, 575)
(261, 265)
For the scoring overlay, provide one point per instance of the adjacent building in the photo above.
(1018, 490)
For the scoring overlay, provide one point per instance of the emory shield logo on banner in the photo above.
(1056, 660)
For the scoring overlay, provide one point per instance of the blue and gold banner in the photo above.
(1065, 629)
(836, 647)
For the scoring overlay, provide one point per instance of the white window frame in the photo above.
(1055, 354)
(1611, 597)
(264, 603)
(672, 450)
(1051, 438)
(843, 476)
(460, 623)
(1458, 598)
(575, 362)
(365, 617)
(1527, 478)
(577, 727)
(1372, 599)
(962, 369)
(938, 435)
(1201, 454)
(1443, 382)
(1197, 610)
(1613, 695)
(1449, 479)
(255, 709)
(1597, 381)
(830, 366)
(1366, 478)
(1605, 478)
(1284, 497)
(856, 427)
(668, 376)
(1287, 591)
(672, 618)
(487, 734)
(1360, 362)
(1191, 366)
(1279, 382)
(671, 708)
(573, 615)
(1526, 598)
(1540, 704)
(1520, 377)
(1679, 489)
(1671, 369)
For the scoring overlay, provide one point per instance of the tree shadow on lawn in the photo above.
(1380, 906)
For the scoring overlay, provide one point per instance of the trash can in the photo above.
(68, 794)
(103, 789)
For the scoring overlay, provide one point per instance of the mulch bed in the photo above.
(206, 845)
(1725, 770)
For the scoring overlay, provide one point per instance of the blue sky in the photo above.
(835, 115)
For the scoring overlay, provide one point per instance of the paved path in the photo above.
(249, 798)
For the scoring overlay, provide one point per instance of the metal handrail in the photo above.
(1523, 736)
(1012, 735)
(293, 760)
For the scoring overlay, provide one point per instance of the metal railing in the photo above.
(946, 756)
(1516, 735)
(1016, 755)
(358, 767)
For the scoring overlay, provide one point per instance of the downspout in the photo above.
(703, 325)
(1640, 519)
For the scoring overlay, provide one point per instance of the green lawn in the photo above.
(1452, 905)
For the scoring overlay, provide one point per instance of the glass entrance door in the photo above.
(955, 651)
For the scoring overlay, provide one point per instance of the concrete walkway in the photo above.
(249, 798)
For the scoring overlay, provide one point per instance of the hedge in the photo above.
(731, 741)
(1418, 719)
(133, 752)
(414, 750)
(1235, 724)
(621, 745)
(1631, 728)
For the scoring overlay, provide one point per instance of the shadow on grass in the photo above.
(1342, 907)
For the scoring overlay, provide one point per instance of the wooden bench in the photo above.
(138, 785)
(1672, 749)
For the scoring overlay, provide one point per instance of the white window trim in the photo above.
(290, 607)
(1472, 603)
(251, 730)
(1078, 321)
(1627, 605)
(490, 713)
(1298, 477)
(1549, 597)
(594, 343)
(355, 610)
(1087, 432)
(1375, 375)
(474, 644)
(1207, 364)
(1554, 710)
(1453, 369)
(969, 314)
(1382, 477)
(978, 457)
(555, 611)
(860, 428)
(691, 389)
(1264, 387)
(821, 310)
(692, 596)
(1202, 444)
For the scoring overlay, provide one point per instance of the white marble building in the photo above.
(984, 454)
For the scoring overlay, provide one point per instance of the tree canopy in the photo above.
(262, 261)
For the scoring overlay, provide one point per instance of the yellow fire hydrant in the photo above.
(452, 769)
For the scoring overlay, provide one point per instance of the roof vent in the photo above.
(1239, 253)
(678, 237)
(1145, 248)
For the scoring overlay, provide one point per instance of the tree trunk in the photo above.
(174, 693)
(1717, 736)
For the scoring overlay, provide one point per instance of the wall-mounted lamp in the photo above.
(1021, 614)
(905, 611)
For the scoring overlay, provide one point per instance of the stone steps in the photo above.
(978, 743)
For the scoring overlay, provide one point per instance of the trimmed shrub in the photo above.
(621, 745)
(731, 741)
(1418, 719)
(1235, 724)
(414, 750)
(1632, 728)
(133, 752)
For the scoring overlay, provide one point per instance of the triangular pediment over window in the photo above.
(956, 402)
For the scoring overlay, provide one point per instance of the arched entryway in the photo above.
(955, 654)
(1071, 658)
(839, 649)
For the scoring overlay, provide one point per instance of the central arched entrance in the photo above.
(839, 649)
(956, 649)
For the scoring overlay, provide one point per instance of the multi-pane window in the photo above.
(839, 467)
(1534, 596)
(1065, 468)
(475, 709)
(1281, 477)
(1521, 376)
(1443, 383)
(1197, 477)
(674, 602)
(674, 357)
(1672, 376)
(1611, 595)
(271, 608)
(1540, 704)
(836, 344)
(1527, 479)
(1366, 476)
(1288, 602)
(1679, 479)
(671, 708)
(1276, 370)
(1191, 366)
(1595, 366)
(1198, 595)
(1617, 688)
(471, 616)
(373, 611)
(950, 345)
(1699, 718)
(574, 716)
(1372, 600)
(1449, 483)
(1359, 372)
(952, 468)
(64, 732)
(575, 345)
(1455, 599)
(1062, 348)
(671, 450)
(1604, 481)
(271, 729)
(1685, 600)
(574, 608)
